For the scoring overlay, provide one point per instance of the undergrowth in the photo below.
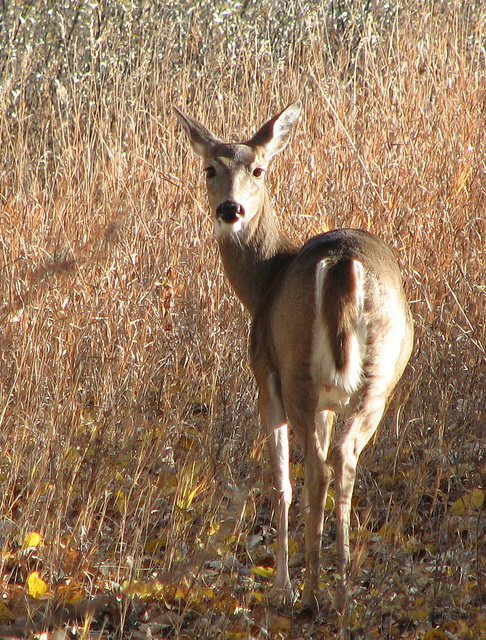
(134, 484)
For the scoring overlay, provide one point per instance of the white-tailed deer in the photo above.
(332, 332)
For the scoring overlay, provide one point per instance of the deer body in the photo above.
(331, 332)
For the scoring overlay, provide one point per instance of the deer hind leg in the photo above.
(317, 478)
(273, 418)
(344, 460)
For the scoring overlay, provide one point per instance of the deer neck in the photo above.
(255, 258)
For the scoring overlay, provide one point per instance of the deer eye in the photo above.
(258, 172)
(210, 172)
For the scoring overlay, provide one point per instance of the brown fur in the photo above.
(339, 287)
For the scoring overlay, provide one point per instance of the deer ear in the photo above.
(201, 139)
(275, 134)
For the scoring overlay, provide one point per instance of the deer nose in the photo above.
(229, 212)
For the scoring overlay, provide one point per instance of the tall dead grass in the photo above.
(126, 401)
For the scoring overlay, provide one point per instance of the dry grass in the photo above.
(126, 400)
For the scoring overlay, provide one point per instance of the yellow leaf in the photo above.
(264, 572)
(121, 501)
(143, 589)
(435, 634)
(293, 546)
(36, 586)
(228, 604)
(123, 461)
(281, 623)
(391, 533)
(72, 454)
(360, 534)
(181, 592)
(472, 500)
(420, 614)
(214, 528)
(330, 500)
(412, 545)
(299, 471)
(33, 539)
(387, 532)
(156, 544)
(71, 593)
(259, 597)
(5, 613)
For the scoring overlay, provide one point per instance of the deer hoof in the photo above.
(281, 596)
(311, 603)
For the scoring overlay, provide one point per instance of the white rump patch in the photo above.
(336, 388)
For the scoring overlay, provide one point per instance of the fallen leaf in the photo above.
(5, 613)
(436, 634)
(264, 572)
(420, 614)
(391, 533)
(281, 623)
(72, 593)
(36, 586)
(33, 539)
(472, 500)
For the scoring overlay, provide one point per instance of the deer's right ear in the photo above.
(201, 139)
(275, 134)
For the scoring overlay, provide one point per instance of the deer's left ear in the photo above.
(275, 134)
(201, 139)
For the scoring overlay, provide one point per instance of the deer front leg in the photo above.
(273, 418)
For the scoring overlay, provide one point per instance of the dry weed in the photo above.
(129, 438)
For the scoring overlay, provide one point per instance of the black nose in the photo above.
(230, 212)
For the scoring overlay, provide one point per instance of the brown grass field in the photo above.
(134, 484)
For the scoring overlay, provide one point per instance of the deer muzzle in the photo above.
(229, 212)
